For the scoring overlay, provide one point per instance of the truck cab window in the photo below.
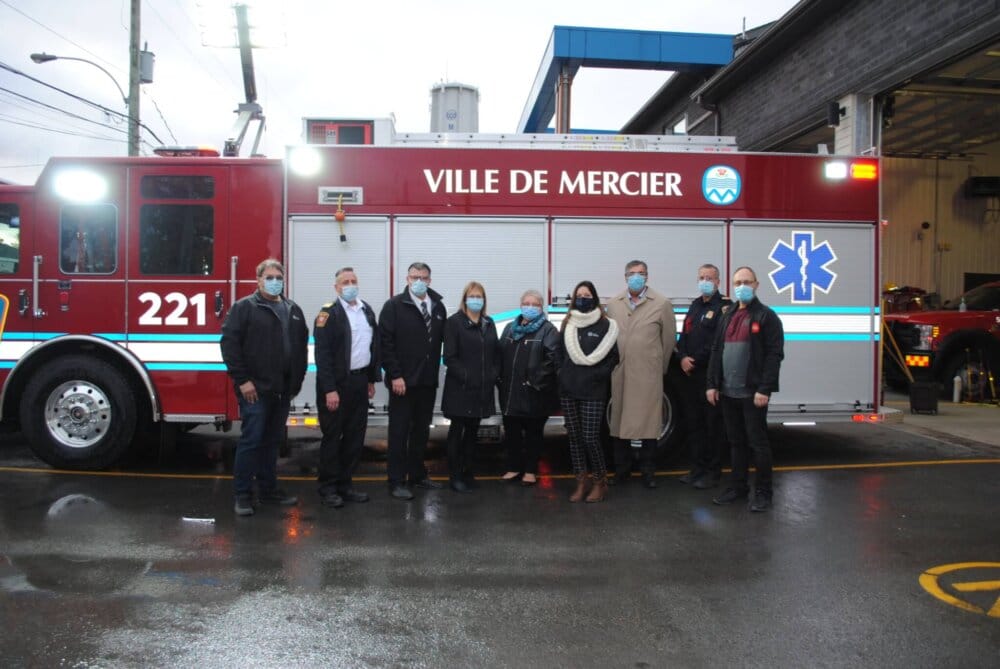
(88, 239)
(176, 239)
(10, 237)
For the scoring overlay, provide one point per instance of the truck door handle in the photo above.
(23, 304)
(219, 304)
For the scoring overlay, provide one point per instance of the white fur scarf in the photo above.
(576, 320)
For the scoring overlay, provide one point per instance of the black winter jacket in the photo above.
(408, 351)
(528, 383)
(253, 348)
(698, 334)
(767, 349)
(470, 353)
(332, 334)
(582, 382)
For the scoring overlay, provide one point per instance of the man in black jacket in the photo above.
(347, 367)
(264, 345)
(702, 421)
(412, 327)
(742, 374)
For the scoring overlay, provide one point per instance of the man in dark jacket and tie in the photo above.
(347, 367)
(412, 327)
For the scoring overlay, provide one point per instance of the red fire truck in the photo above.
(116, 273)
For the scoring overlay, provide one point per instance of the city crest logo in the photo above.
(721, 185)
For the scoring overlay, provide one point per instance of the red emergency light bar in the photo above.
(840, 169)
(186, 152)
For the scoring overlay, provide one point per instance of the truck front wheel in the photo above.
(78, 413)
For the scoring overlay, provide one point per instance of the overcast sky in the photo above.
(340, 59)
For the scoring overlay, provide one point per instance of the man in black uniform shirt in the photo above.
(705, 433)
(347, 367)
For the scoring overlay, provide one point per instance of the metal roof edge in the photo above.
(783, 32)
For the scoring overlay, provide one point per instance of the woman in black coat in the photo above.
(590, 353)
(529, 358)
(470, 346)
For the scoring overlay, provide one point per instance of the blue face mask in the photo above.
(743, 293)
(706, 288)
(474, 304)
(636, 282)
(419, 287)
(273, 287)
(349, 293)
(530, 313)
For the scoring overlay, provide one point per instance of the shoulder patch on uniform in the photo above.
(321, 319)
(710, 315)
(725, 307)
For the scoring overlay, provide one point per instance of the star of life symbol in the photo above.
(803, 267)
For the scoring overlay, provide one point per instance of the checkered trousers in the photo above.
(583, 422)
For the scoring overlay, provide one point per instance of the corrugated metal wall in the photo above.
(917, 190)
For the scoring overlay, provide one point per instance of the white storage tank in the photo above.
(454, 108)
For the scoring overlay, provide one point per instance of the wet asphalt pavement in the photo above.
(127, 570)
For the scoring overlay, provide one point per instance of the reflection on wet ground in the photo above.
(156, 571)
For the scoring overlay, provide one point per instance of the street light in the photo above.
(146, 59)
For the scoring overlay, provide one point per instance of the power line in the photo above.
(62, 111)
(14, 70)
(60, 35)
(162, 118)
(61, 132)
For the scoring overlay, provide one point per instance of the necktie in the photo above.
(427, 315)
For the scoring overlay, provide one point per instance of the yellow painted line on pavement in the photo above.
(930, 581)
(381, 479)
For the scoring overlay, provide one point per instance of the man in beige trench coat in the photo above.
(647, 335)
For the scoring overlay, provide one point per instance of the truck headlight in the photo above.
(926, 334)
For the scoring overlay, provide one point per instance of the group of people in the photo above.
(729, 353)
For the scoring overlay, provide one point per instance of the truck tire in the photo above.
(976, 365)
(78, 413)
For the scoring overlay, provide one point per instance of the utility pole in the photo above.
(133, 79)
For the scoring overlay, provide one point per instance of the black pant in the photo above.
(703, 424)
(462, 435)
(623, 457)
(409, 427)
(343, 435)
(746, 427)
(523, 436)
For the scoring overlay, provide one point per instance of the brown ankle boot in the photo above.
(599, 491)
(583, 484)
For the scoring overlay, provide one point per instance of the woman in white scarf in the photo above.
(590, 354)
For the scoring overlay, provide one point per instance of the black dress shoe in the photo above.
(730, 495)
(458, 485)
(691, 477)
(761, 501)
(707, 481)
(243, 505)
(354, 496)
(332, 500)
(428, 484)
(401, 492)
(279, 497)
